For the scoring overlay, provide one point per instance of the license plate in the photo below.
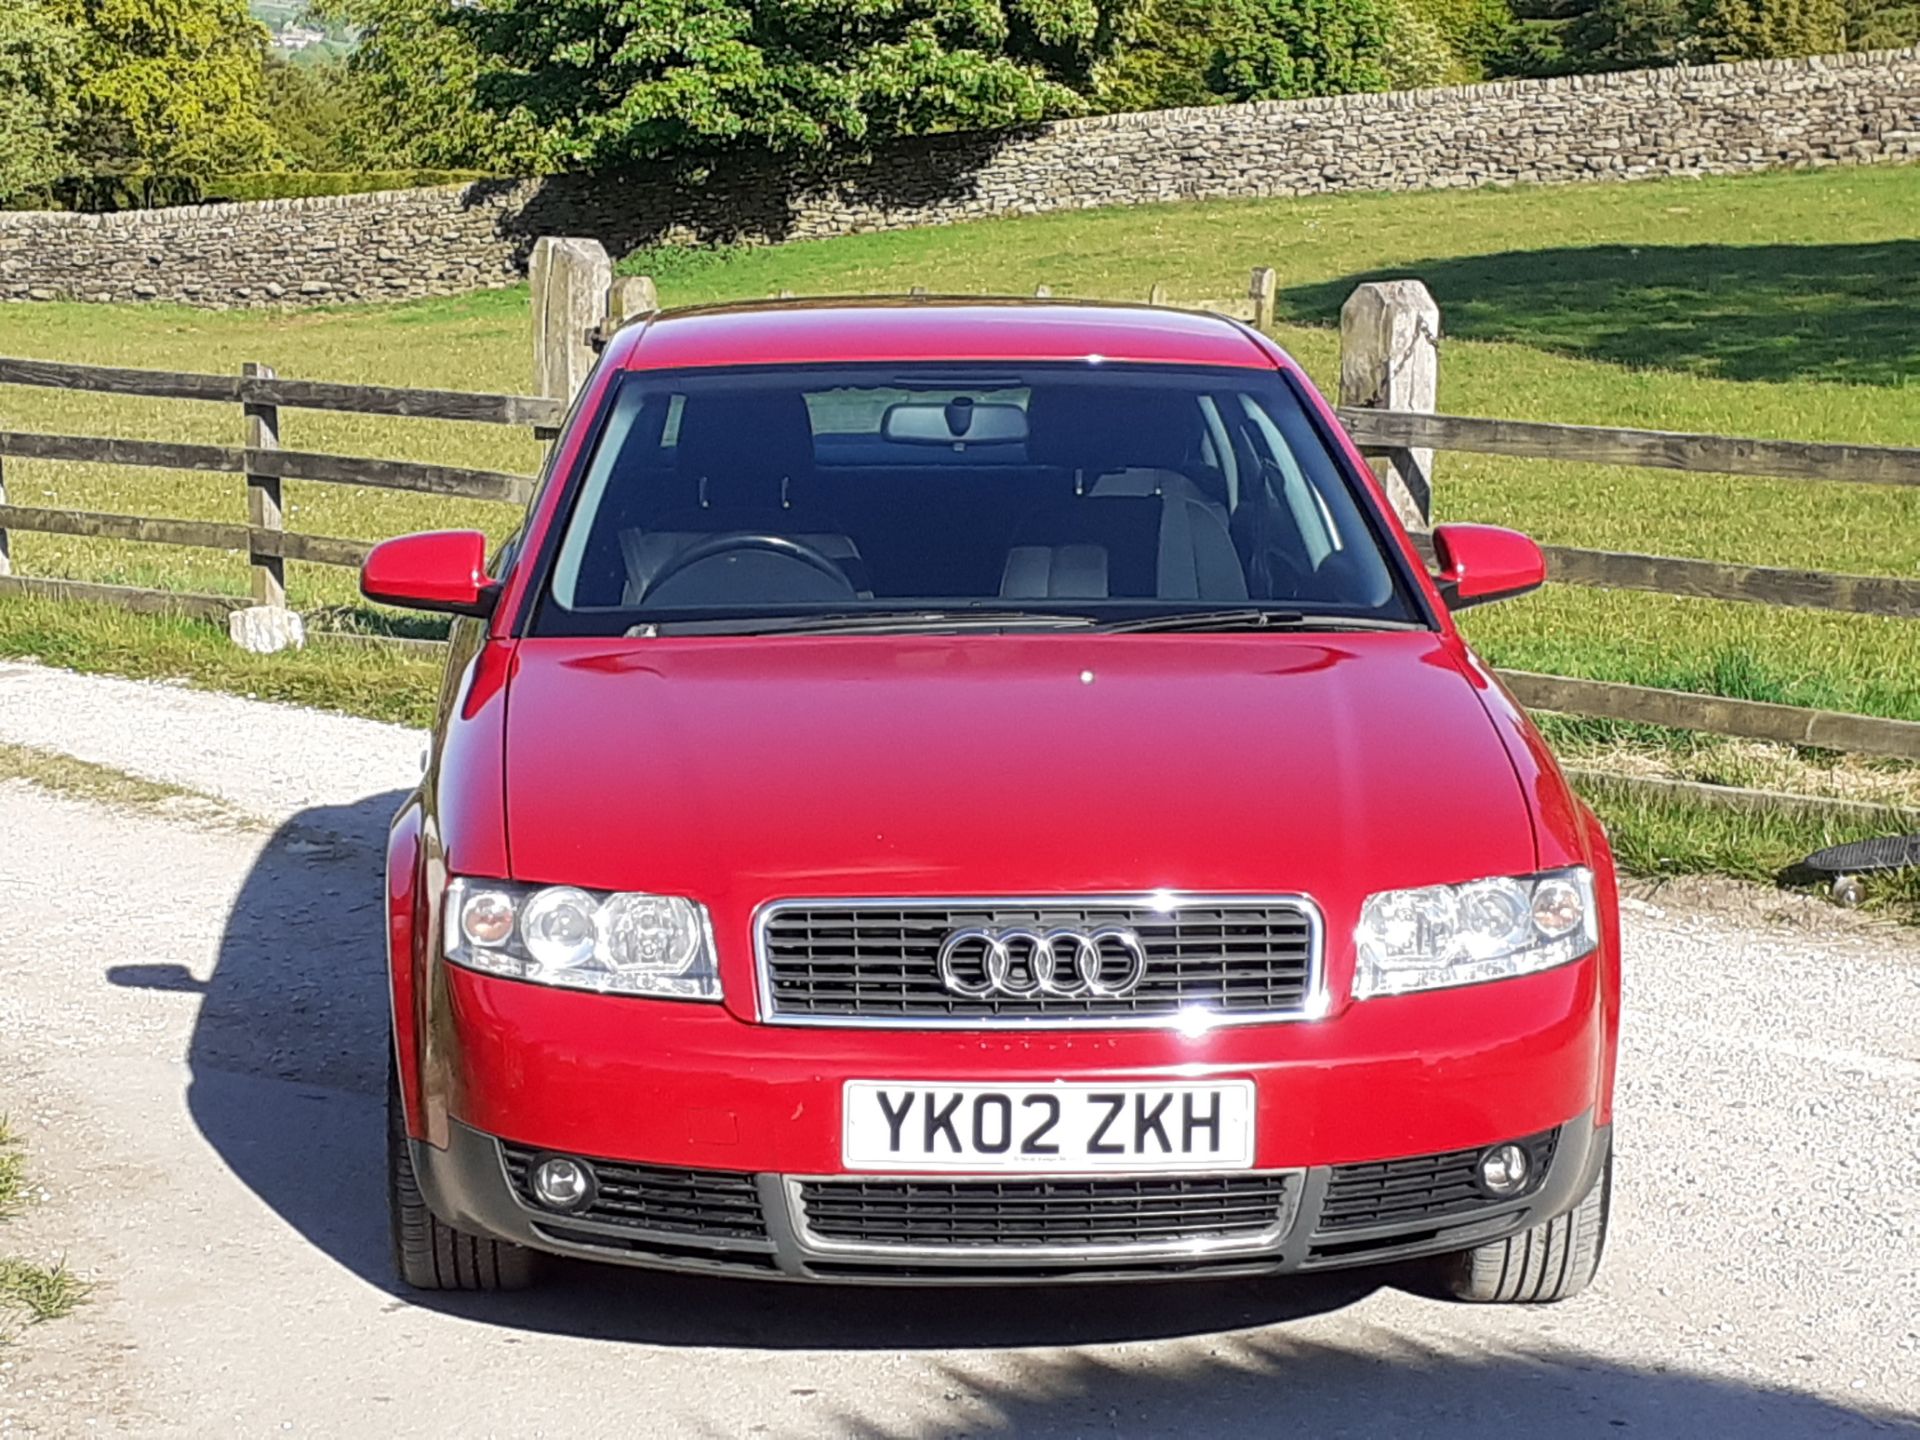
(895, 1125)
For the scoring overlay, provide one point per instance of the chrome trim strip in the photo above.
(1314, 1008)
(1266, 1241)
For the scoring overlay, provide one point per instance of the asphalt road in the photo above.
(190, 1043)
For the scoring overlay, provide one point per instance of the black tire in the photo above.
(1552, 1261)
(429, 1254)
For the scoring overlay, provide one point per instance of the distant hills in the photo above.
(296, 34)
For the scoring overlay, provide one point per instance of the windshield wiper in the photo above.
(897, 622)
(1253, 619)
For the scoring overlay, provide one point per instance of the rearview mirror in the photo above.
(957, 422)
(443, 570)
(1479, 563)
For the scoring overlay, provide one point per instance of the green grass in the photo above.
(1777, 305)
(1782, 305)
(378, 683)
(28, 1290)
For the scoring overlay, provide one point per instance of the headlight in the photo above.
(620, 944)
(1485, 930)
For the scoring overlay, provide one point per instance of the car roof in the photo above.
(923, 328)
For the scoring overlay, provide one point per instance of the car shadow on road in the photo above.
(1385, 1384)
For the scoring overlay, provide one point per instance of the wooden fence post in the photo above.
(264, 508)
(6, 552)
(1262, 287)
(572, 283)
(1390, 360)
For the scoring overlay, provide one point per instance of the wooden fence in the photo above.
(1398, 437)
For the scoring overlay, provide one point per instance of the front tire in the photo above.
(1553, 1261)
(429, 1254)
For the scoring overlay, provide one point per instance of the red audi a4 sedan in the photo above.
(957, 791)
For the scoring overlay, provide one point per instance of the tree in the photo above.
(171, 86)
(1771, 29)
(1628, 34)
(1417, 55)
(605, 83)
(414, 76)
(36, 56)
(309, 107)
(1280, 49)
(1882, 24)
(1207, 52)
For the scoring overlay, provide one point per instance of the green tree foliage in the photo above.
(36, 57)
(1205, 52)
(169, 85)
(1476, 33)
(1281, 49)
(1561, 36)
(1628, 34)
(309, 107)
(1770, 29)
(1417, 54)
(1882, 24)
(608, 82)
(413, 77)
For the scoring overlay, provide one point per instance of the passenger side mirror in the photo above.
(1479, 563)
(444, 570)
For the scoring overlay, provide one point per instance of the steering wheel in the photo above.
(766, 544)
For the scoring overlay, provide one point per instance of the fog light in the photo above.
(1504, 1170)
(562, 1184)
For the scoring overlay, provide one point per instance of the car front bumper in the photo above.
(758, 1225)
(747, 1114)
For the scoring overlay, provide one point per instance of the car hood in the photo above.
(736, 770)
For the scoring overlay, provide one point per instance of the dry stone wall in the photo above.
(1704, 120)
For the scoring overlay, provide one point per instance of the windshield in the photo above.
(1108, 493)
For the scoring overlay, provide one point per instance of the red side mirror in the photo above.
(441, 570)
(1479, 563)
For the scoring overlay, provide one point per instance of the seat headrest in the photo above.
(1100, 428)
(745, 451)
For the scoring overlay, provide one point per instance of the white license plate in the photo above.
(909, 1125)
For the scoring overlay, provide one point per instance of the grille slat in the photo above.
(715, 1204)
(1054, 1214)
(877, 961)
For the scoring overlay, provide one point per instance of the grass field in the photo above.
(1781, 305)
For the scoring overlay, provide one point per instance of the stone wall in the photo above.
(1705, 120)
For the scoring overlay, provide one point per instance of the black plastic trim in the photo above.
(467, 1186)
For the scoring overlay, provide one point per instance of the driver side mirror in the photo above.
(444, 570)
(1479, 563)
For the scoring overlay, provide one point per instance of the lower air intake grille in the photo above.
(1422, 1187)
(711, 1204)
(1015, 1216)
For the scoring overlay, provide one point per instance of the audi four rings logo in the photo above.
(1021, 963)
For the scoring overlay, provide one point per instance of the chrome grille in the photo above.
(1029, 1216)
(876, 961)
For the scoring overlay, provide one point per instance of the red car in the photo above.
(949, 791)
